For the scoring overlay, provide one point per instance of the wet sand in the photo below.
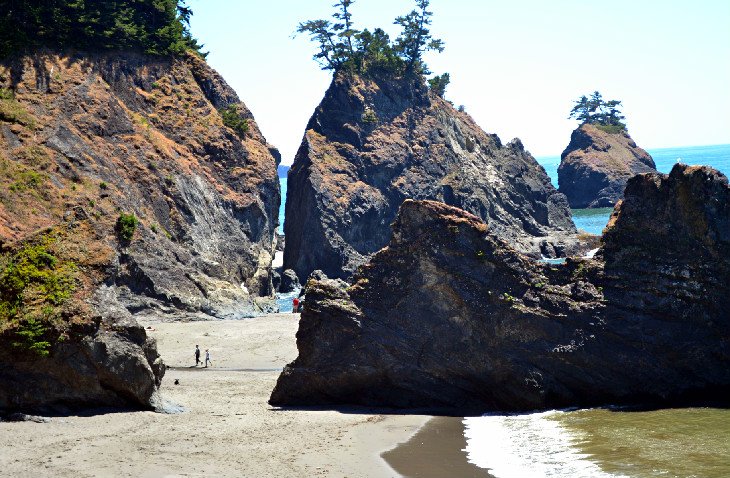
(227, 428)
(435, 451)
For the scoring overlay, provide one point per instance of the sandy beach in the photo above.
(227, 427)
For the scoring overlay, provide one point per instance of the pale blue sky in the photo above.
(516, 65)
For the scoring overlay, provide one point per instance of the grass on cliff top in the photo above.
(611, 128)
(35, 284)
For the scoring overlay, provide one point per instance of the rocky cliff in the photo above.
(450, 316)
(597, 163)
(128, 184)
(372, 143)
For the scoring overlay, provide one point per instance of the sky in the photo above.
(517, 66)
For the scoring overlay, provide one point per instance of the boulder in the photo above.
(289, 281)
(597, 163)
(374, 142)
(107, 362)
(450, 316)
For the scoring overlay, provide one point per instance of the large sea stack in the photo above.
(122, 192)
(597, 163)
(451, 316)
(374, 142)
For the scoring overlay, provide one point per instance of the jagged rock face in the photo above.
(126, 133)
(371, 144)
(450, 316)
(596, 164)
(83, 139)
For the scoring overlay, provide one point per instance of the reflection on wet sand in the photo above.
(437, 450)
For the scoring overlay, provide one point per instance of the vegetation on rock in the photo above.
(233, 119)
(343, 47)
(156, 27)
(606, 115)
(126, 225)
(35, 283)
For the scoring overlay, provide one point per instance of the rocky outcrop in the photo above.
(289, 281)
(106, 362)
(124, 133)
(372, 143)
(122, 191)
(450, 316)
(597, 163)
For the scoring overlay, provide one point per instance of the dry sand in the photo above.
(227, 429)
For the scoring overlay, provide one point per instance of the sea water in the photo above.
(595, 220)
(690, 442)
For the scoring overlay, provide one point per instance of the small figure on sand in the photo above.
(207, 359)
(295, 305)
(197, 356)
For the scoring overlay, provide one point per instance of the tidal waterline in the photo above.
(593, 443)
(435, 451)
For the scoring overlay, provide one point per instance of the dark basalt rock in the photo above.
(596, 164)
(450, 316)
(289, 281)
(372, 143)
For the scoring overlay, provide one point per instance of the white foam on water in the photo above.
(591, 254)
(527, 446)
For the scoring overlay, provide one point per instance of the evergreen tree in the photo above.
(595, 110)
(416, 38)
(335, 39)
(342, 46)
(157, 27)
(438, 84)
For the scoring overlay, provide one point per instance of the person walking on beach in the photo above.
(295, 305)
(207, 359)
(197, 356)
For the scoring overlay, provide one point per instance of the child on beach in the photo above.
(207, 359)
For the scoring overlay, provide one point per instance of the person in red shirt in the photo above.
(295, 305)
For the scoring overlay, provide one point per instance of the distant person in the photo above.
(295, 305)
(197, 356)
(207, 359)
(301, 305)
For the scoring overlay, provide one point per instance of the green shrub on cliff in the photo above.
(126, 225)
(157, 27)
(438, 84)
(34, 285)
(233, 119)
(30, 335)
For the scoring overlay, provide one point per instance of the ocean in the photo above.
(594, 220)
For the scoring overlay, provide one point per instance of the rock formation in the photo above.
(122, 133)
(122, 191)
(372, 143)
(597, 163)
(450, 316)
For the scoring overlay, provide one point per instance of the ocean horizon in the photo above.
(595, 220)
